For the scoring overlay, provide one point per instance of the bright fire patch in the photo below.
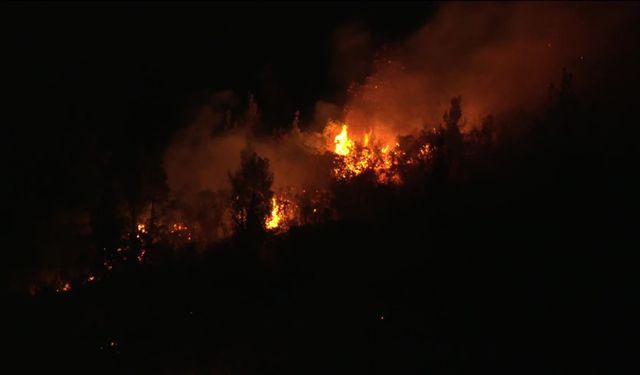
(354, 158)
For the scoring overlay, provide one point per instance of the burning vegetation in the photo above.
(354, 158)
(251, 206)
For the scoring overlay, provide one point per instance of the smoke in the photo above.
(499, 57)
(352, 56)
(203, 154)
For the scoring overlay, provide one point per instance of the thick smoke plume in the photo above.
(498, 57)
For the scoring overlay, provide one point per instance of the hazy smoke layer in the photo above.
(202, 154)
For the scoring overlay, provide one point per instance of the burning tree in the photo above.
(251, 192)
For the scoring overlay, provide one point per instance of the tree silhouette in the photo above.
(447, 142)
(453, 116)
(251, 193)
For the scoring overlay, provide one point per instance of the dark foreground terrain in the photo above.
(520, 272)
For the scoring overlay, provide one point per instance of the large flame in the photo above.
(343, 143)
(273, 221)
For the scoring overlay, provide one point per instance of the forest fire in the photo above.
(173, 225)
(416, 187)
(354, 158)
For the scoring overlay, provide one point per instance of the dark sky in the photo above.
(77, 55)
(102, 70)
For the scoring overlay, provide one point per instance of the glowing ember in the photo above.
(275, 217)
(181, 231)
(178, 227)
(143, 252)
(65, 288)
(91, 278)
(142, 229)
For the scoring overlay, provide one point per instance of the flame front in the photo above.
(354, 158)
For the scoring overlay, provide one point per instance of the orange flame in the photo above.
(273, 221)
(357, 157)
(343, 143)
